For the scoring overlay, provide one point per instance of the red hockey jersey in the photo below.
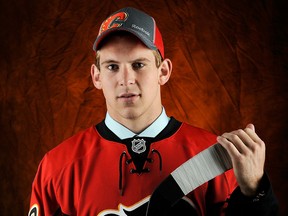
(96, 173)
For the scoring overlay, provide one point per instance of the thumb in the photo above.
(251, 126)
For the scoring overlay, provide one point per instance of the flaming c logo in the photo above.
(113, 21)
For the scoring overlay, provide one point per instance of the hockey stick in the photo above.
(196, 171)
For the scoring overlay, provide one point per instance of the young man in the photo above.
(114, 167)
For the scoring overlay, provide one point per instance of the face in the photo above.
(129, 79)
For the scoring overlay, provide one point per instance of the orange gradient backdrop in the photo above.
(229, 69)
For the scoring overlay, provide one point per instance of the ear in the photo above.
(165, 71)
(95, 74)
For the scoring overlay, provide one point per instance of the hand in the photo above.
(247, 152)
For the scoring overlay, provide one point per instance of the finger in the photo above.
(229, 146)
(252, 134)
(251, 126)
(239, 139)
(246, 137)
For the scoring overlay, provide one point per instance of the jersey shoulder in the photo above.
(195, 137)
(69, 151)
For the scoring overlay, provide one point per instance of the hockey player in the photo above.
(114, 167)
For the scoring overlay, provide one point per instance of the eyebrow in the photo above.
(109, 61)
(140, 60)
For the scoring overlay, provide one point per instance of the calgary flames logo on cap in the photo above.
(113, 21)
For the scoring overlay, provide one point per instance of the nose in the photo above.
(127, 76)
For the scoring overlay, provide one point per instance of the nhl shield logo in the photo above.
(138, 146)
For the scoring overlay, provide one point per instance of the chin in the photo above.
(130, 114)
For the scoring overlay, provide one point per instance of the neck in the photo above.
(137, 124)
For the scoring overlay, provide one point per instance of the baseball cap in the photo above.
(136, 22)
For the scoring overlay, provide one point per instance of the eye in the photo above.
(137, 65)
(113, 67)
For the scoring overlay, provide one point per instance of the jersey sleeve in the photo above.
(43, 196)
(263, 203)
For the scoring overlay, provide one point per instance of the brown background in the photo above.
(230, 68)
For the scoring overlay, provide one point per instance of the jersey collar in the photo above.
(152, 131)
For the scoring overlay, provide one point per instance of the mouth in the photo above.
(128, 97)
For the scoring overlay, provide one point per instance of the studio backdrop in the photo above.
(229, 69)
